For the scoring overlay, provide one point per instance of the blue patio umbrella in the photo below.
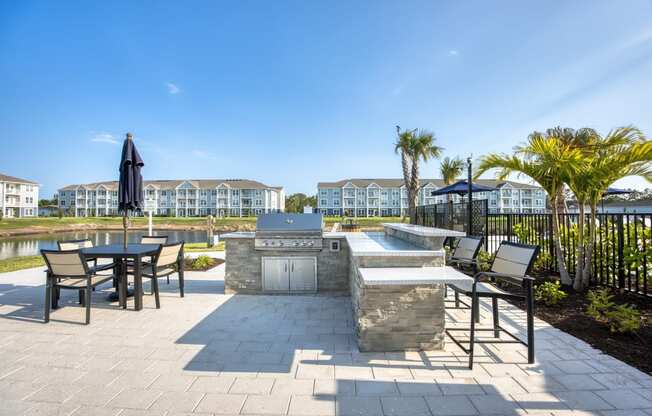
(130, 187)
(461, 187)
(464, 187)
(616, 191)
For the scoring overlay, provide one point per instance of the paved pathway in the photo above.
(210, 353)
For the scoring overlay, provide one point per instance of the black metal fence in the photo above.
(453, 216)
(622, 249)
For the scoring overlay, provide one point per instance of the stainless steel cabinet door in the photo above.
(303, 274)
(276, 274)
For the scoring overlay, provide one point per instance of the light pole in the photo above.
(469, 208)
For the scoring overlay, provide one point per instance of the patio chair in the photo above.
(464, 257)
(152, 239)
(511, 265)
(68, 245)
(164, 264)
(69, 270)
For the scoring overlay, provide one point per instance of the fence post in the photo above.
(486, 219)
(551, 238)
(435, 223)
(621, 247)
(509, 227)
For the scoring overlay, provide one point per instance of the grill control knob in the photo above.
(280, 243)
(311, 244)
(296, 244)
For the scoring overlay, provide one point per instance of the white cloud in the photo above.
(104, 138)
(172, 88)
(453, 52)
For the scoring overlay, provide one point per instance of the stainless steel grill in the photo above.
(293, 232)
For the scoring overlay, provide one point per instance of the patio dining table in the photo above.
(119, 254)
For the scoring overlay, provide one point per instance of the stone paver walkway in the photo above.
(210, 353)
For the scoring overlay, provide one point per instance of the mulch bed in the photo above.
(570, 316)
(189, 265)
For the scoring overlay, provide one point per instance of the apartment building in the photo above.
(18, 197)
(179, 198)
(388, 197)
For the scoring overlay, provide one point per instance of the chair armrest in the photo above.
(461, 263)
(510, 278)
(462, 260)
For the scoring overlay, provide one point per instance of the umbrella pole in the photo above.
(124, 226)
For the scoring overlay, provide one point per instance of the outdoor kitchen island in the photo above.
(397, 283)
(396, 278)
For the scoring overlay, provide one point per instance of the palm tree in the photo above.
(450, 170)
(549, 161)
(623, 152)
(575, 139)
(403, 146)
(414, 146)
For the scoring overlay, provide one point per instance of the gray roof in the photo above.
(397, 183)
(7, 178)
(173, 183)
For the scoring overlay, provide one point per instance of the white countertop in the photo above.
(411, 275)
(380, 244)
(423, 231)
(239, 234)
(335, 234)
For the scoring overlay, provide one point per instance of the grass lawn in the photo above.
(365, 221)
(201, 247)
(27, 262)
(45, 224)
(19, 263)
(55, 222)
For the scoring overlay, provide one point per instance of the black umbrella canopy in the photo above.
(616, 191)
(130, 187)
(462, 188)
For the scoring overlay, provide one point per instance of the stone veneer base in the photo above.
(397, 317)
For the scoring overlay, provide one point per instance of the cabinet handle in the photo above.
(285, 267)
(292, 267)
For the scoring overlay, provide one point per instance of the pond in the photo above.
(31, 244)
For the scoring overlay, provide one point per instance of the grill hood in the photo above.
(289, 223)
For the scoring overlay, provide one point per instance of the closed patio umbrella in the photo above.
(130, 187)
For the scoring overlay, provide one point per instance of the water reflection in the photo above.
(30, 245)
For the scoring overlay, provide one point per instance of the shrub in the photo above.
(622, 319)
(549, 293)
(202, 262)
(484, 260)
(600, 302)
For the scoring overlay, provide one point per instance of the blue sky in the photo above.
(292, 93)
